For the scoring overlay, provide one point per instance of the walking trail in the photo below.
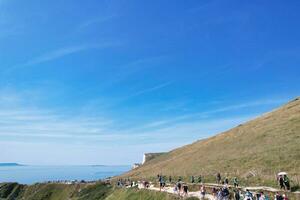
(171, 191)
(209, 196)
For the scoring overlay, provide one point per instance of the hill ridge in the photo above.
(272, 146)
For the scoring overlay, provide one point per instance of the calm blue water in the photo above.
(33, 174)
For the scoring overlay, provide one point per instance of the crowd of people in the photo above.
(125, 183)
(226, 180)
(180, 187)
(223, 193)
(221, 190)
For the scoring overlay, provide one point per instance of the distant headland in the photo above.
(10, 164)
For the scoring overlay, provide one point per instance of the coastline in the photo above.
(31, 174)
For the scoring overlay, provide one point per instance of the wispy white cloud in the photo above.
(197, 129)
(249, 104)
(53, 55)
(126, 70)
(202, 6)
(151, 89)
(96, 21)
(121, 73)
(115, 102)
(58, 53)
(20, 120)
(209, 114)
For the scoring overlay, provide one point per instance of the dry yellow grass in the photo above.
(263, 146)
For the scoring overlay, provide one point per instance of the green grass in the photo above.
(47, 191)
(135, 194)
(10, 190)
(99, 191)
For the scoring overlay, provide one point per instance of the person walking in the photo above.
(214, 192)
(226, 181)
(202, 191)
(200, 179)
(235, 182)
(170, 179)
(218, 178)
(185, 190)
(161, 182)
(278, 196)
(286, 182)
(192, 179)
(179, 187)
(281, 182)
(219, 195)
(262, 196)
(248, 195)
(237, 195)
(225, 193)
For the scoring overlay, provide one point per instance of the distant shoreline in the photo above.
(30, 174)
(17, 164)
(10, 165)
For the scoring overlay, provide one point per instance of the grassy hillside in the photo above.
(135, 194)
(53, 191)
(254, 151)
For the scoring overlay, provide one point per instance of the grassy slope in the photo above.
(135, 194)
(100, 191)
(48, 191)
(266, 145)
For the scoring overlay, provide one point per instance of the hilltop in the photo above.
(254, 151)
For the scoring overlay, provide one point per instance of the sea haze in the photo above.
(32, 174)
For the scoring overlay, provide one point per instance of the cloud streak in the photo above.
(60, 53)
(152, 89)
(56, 54)
(210, 113)
(98, 20)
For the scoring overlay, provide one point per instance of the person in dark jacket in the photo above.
(200, 179)
(235, 182)
(185, 190)
(286, 182)
(237, 195)
(281, 182)
(278, 196)
(192, 179)
(226, 181)
(218, 178)
(170, 179)
(225, 193)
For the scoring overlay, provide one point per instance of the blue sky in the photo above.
(103, 81)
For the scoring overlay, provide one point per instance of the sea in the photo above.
(38, 174)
